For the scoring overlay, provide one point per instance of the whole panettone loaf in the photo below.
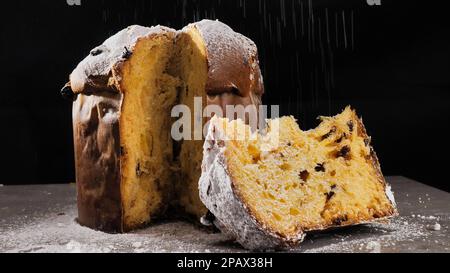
(128, 168)
(267, 190)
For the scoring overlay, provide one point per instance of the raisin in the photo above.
(327, 135)
(350, 125)
(320, 167)
(339, 220)
(339, 140)
(304, 175)
(343, 152)
(329, 195)
(289, 143)
(126, 53)
(96, 51)
(138, 169)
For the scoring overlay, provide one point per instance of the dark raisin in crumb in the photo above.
(350, 125)
(289, 143)
(122, 150)
(327, 135)
(96, 51)
(343, 136)
(126, 53)
(320, 167)
(281, 154)
(344, 152)
(333, 186)
(377, 215)
(329, 195)
(304, 175)
(338, 221)
(138, 169)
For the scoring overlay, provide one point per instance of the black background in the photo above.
(390, 62)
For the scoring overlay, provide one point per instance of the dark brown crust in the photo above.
(373, 159)
(97, 162)
(232, 59)
(362, 132)
(234, 75)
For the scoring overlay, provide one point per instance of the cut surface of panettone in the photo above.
(149, 94)
(219, 67)
(288, 181)
(191, 65)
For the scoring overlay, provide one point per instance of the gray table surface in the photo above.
(40, 218)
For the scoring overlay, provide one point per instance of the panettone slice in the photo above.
(267, 189)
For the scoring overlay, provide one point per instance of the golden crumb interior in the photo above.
(328, 176)
(193, 71)
(146, 145)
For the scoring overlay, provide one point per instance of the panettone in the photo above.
(121, 124)
(266, 190)
(128, 168)
(221, 67)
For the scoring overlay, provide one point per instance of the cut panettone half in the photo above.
(267, 189)
(121, 120)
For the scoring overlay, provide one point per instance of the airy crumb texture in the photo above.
(290, 181)
(149, 93)
(192, 68)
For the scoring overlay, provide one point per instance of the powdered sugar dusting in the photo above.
(41, 218)
(61, 233)
(94, 71)
(400, 234)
